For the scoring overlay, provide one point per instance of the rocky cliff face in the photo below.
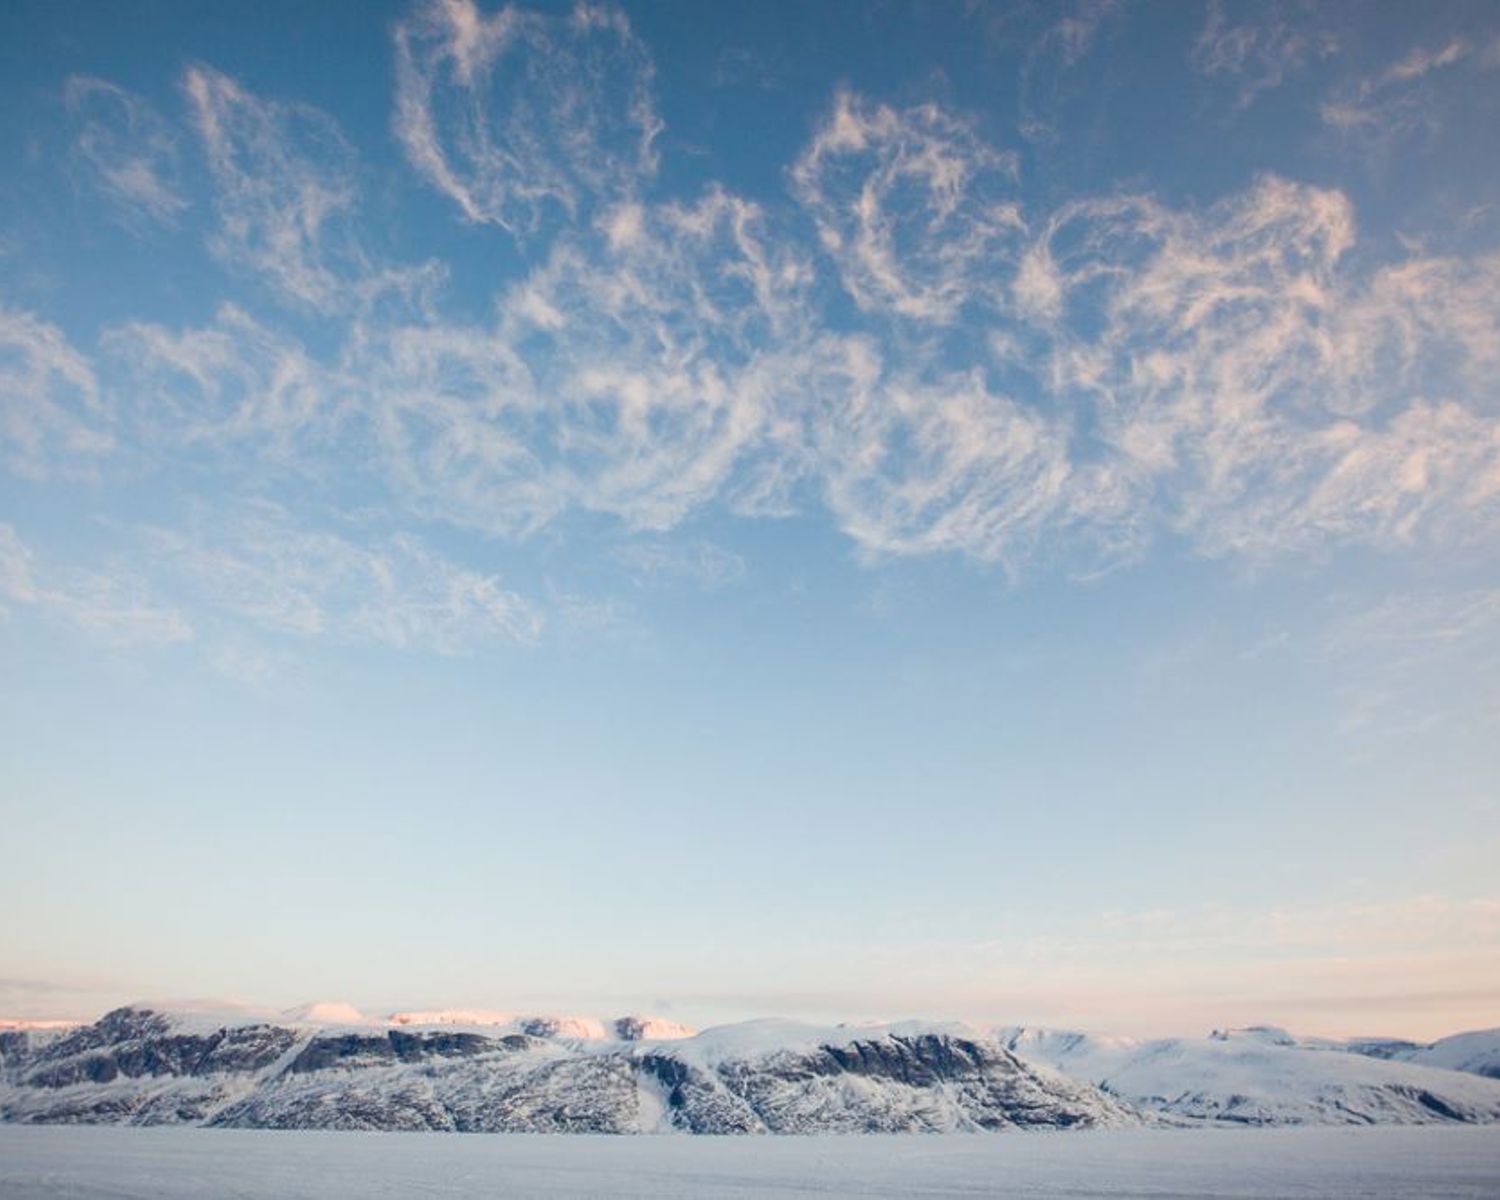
(139, 1066)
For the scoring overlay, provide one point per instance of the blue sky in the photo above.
(839, 510)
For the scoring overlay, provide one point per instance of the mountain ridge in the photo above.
(143, 1066)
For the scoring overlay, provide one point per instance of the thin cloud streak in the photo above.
(114, 609)
(126, 150)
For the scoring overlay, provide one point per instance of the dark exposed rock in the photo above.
(698, 1101)
(349, 1051)
(414, 1047)
(145, 1046)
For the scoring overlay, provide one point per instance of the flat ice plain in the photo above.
(1371, 1163)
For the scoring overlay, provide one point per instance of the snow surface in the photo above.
(47, 1162)
(325, 1012)
(1259, 1076)
(1477, 1052)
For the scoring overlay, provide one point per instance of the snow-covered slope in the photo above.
(325, 1012)
(146, 1066)
(1477, 1053)
(1260, 1076)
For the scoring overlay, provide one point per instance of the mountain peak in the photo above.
(325, 1012)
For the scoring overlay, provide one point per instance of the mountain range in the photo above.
(326, 1066)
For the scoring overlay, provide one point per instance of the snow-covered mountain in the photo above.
(1261, 1076)
(328, 1066)
(141, 1065)
(1477, 1052)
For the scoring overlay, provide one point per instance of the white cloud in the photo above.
(52, 421)
(1225, 374)
(1261, 395)
(628, 374)
(1259, 54)
(914, 208)
(263, 567)
(1046, 80)
(125, 150)
(709, 566)
(918, 465)
(283, 175)
(517, 111)
(1403, 101)
(230, 382)
(287, 199)
(1083, 380)
(1423, 60)
(113, 608)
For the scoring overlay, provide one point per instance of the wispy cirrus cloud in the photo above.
(1406, 99)
(113, 608)
(1046, 82)
(924, 464)
(126, 150)
(629, 374)
(709, 566)
(263, 567)
(1072, 382)
(227, 384)
(1244, 380)
(1224, 374)
(1259, 54)
(517, 111)
(284, 186)
(1423, 60)
(912, 206)
(53, 421)
(286, 193)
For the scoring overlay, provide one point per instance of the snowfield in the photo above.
(1264, 1077)
(1435, 1163)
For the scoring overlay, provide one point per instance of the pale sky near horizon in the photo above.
(841, 511)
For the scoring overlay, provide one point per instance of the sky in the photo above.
(846, 511)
